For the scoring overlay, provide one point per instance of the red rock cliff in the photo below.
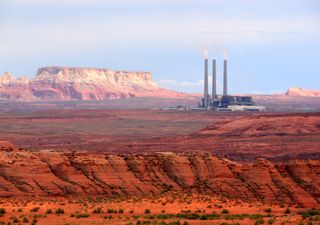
(50, 173)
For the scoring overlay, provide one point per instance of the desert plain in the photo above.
(151, 166)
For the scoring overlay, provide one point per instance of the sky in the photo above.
(271, 45)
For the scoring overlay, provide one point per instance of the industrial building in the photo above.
(224, 102)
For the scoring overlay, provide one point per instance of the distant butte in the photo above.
(73, 83)
(302, 92)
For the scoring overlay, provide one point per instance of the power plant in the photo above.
(224, 102)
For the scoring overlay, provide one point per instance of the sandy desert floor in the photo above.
(171, 208)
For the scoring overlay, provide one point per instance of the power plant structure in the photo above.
(224, 102)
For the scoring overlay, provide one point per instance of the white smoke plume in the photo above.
(205, 53)
(225, 54)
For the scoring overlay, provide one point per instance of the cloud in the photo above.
(187, 86)
(139, 31)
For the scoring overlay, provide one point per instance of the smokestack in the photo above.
(225, 78)
(214, 79)
(205, 97)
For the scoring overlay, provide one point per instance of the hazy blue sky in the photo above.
(271, 44)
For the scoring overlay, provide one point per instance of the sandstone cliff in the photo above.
(67, 83)
(49, 173)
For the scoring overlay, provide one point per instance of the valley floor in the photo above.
(170, 208)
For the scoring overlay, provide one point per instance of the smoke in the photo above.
(205, 53)
(225, 54)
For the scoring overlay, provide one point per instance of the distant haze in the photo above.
(271, 45)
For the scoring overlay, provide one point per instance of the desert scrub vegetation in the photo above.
(225, 211)
(287, 211)
(2, 211)
(309, 213)
(35, 209)
(97, 210)
(147, 211)
(49, 211)
(81, 215)
(59, 211)
(268, 210)
(229, 223)
(259, 221)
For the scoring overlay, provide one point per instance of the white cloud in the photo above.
(188, 86)
(125, 31)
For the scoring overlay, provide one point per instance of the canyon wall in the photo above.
(49, 173)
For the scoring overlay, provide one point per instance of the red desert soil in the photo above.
(167, 208)
(165, 162)
(239, 136)
(244, 137)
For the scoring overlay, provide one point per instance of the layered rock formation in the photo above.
(302, 92)
(67, 83)
(51, 173)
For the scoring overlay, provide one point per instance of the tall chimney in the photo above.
(205, 97)
(214, 79)
(225, 78)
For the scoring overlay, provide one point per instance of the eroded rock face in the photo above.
(49, 173)
(68, 83)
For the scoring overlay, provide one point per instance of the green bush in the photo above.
(147, 211)
(35, 209)
(81, 215)
(271, 221)
(2, 211)
(287, 211)
(268, 210)
(59, 211)
(225, 211)
(97, 210)
(120, 211)
(259, 221)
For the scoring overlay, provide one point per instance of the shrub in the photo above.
(287, 211)
(271, 221)
(268, 210)
(225, 211)
(25, 220)
(2, 211)
(110, 210)
(82, 215)
(35, 209)
(147, 211)
(97, 210)
(49, 211)
(15, 220)
(259, 221)
(59, 211)
(120, 211)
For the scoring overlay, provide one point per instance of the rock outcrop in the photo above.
(302, 92)
(68, 83)
(49, 173)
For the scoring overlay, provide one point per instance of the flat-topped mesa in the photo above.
(93, 75)
(73, 83)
